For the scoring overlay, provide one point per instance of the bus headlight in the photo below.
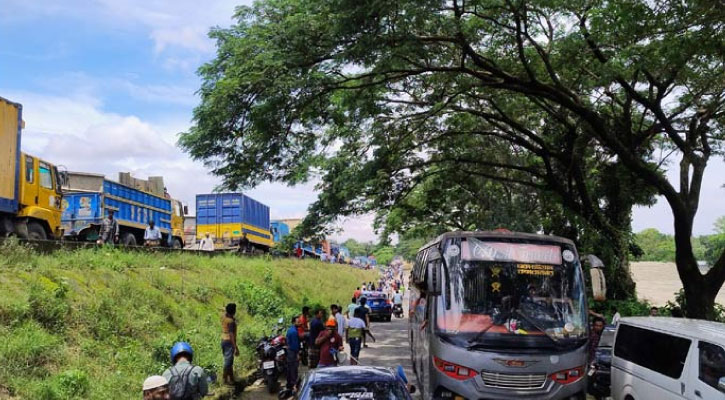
(454, 371)
(568, 376)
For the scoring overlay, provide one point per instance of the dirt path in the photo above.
(658, 282)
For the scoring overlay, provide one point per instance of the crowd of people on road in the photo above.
(322, 334)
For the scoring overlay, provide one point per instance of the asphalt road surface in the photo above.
(390, 350)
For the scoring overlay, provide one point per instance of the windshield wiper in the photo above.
(478, 336)
(537, 326)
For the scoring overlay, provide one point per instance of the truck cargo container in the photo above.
(91, 196)
(228, 216)
(30, 188)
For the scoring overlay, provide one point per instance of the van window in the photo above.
(46, 177)
(653, 350)
(29, 169)
(712, 363)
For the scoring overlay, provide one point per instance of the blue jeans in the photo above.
(293, 365)
(355, 344)
(228, 353)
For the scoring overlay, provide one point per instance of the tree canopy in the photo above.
(584, 104)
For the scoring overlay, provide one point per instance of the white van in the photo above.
(662, 358)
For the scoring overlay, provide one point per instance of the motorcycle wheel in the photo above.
(271, 381)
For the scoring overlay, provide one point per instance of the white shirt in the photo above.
(340, 323)
(206, 244)
(152, 234)
(355, 323)
(398, 298)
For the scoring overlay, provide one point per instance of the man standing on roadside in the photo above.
(109, 230)
(206, 244)
(316, 326)
(354, 334)
(229, 342)
(293, 353)
(152, 235)
(594, 335)
(330, 343)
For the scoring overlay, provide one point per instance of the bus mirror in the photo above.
(434, 279)
(599, 284)
(593, 261)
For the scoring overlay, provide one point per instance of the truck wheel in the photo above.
(36, 231)
(128, 239)
(176, 243)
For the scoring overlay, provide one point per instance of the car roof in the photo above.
(493, 235)
(351, 374)
(693, 328)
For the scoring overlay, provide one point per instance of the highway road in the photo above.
(390, 350)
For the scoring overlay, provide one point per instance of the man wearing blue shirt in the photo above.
(293, 351)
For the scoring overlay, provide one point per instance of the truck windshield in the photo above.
(512, 295)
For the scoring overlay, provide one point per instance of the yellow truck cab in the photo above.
(30, 188)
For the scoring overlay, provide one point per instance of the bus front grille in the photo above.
(513, 381)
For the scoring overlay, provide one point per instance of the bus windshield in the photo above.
(508, 294)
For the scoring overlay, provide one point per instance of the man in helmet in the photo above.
(330, 343)
(156, 388)
(186, 381)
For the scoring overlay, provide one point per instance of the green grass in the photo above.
(92, 323)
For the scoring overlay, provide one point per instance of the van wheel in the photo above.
(36, 231)
(127, 239)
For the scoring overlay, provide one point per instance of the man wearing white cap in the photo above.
(156, 388)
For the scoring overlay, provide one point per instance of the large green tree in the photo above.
(584, 102)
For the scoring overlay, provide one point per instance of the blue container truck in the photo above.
(279, 231)
(84, 211)
(228, 216)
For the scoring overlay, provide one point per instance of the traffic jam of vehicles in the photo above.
(491, 314)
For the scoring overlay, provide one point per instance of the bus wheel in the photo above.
(176, 243)
(36, 231)
(127, 239)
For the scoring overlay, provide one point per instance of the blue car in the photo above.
(354, 382)
(380, 306)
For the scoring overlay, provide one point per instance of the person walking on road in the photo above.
(354, 335)
(365, 316)
(293, 352)
(109, 230)
(186, 381)
(316, 326)
(330, 344)
(339, 319)
(206, 243)
(156, 388)
(229, 342)
(152, 235)
(351, 308)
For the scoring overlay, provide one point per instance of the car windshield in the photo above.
(511, 294)
(362, 390)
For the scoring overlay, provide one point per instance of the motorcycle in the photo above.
(272, 356)
(398, 310)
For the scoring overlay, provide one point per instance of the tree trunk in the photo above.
(699, 295)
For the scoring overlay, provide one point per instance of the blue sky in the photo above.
(107, 84)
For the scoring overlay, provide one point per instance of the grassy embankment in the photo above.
(91, 324)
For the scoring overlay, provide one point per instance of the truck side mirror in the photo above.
(596, 273)
(186, 210)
